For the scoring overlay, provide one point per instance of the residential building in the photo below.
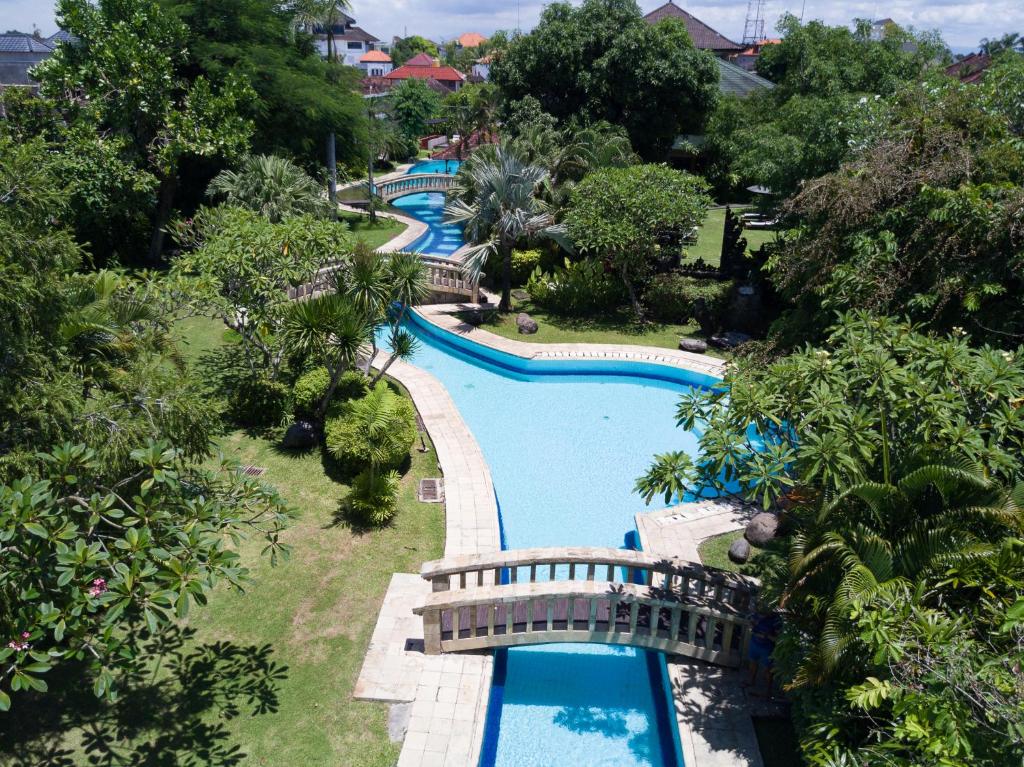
(482, 68)
(971, 68)
(375, 63)
(704, 37)
(470, 40)
(351, 42)
(19, 52)
(734, 80)
(747, 58)
(423, 67)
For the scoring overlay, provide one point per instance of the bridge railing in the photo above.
(412, 183)
(528, 613)
(670, 576)
(446, 276)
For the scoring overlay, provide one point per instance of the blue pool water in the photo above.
(565, 442)
(440, 239)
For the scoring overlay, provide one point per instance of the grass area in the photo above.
(614, 329)
(709, 239)
(374, 235)
(714, 552)
(264, 677)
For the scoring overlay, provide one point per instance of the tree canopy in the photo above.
(602, 61)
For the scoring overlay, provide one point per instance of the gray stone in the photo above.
(527, 325)
(398, 721)
(693, 345)
(729, 340)
(762, 528)
(739, 552)
(301, 435)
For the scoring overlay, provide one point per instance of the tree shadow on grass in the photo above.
(171, 713)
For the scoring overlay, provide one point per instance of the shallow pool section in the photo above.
(440, 239)
(565, 442)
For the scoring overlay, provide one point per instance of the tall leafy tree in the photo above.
(126, 73)
(602, 61)
(413, 103)
(405, 48)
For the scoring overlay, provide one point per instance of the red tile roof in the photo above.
(420, 60)
(375, 56)
(703, 36)
(441, 74)
(970, 69)
(471, 40)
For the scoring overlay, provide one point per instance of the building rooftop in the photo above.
(970, 69)
(20, 42)
(375, 56)
(471, 40)
(703, 36)
(737, 81)
(421, 60)
(357, 35)
(441, 74)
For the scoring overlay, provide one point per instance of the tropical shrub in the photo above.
(374, 496)
(258, 402)
(309, 389)
(274, 187)
(523, 264)
(576, 289)
(375, 431)
(671, 297)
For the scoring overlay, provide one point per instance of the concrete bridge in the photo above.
(413, 184)
(445, 277)
(539, 596)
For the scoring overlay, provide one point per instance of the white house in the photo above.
(375, 63)
(351, 42)
(482, 68)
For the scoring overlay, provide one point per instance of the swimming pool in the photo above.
(440, 239)
(564, 441)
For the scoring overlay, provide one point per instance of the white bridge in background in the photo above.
(413, 183)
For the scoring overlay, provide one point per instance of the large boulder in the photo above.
(527, 325)
(762, 528)
(693, 345)
(739, 552)
(729, 340)
(301, 435)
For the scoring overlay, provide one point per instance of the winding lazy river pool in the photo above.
(564, 442)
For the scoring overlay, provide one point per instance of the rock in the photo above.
(301, 435)
(762, 528)
(693, 345)
(527, 325)
(729, 340)
(739, 552)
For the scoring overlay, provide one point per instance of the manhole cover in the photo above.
(252, 471)
(431, 491)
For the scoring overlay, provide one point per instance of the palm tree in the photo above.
(495, 199)
(325, 14)
(270, 185)
(889, 541)
(331, 328)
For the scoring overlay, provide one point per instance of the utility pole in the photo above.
(332, 175)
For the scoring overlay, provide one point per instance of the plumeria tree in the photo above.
(91, 568)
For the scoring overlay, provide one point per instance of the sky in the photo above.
(962, 22)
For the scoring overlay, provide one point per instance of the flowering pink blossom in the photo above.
(98, 587)
(22, 645)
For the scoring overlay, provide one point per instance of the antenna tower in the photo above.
(753, 28)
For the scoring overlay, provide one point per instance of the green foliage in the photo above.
(524, 262)
(242, 263)
(578, 289)
(672, 297)
(625, 214)
(413, 103)
(92, 568)
(272, 186)
(602, 61)
(373, 432)
(404, 48)
(309, 389)
(258, 402)
(921, 220)
(374, 496)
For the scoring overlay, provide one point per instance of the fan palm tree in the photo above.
(495, 199)
(889, 541)
(325, 14)
(332, 328)
(270, 185)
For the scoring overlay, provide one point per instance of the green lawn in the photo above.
(374, 235)
(709, 239)
(714, 552)
(614, 329)
(264, 677)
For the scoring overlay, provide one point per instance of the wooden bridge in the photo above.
(538, 596)
(413, 184)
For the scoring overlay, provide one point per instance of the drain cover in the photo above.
(431, 491)
(252, 471)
